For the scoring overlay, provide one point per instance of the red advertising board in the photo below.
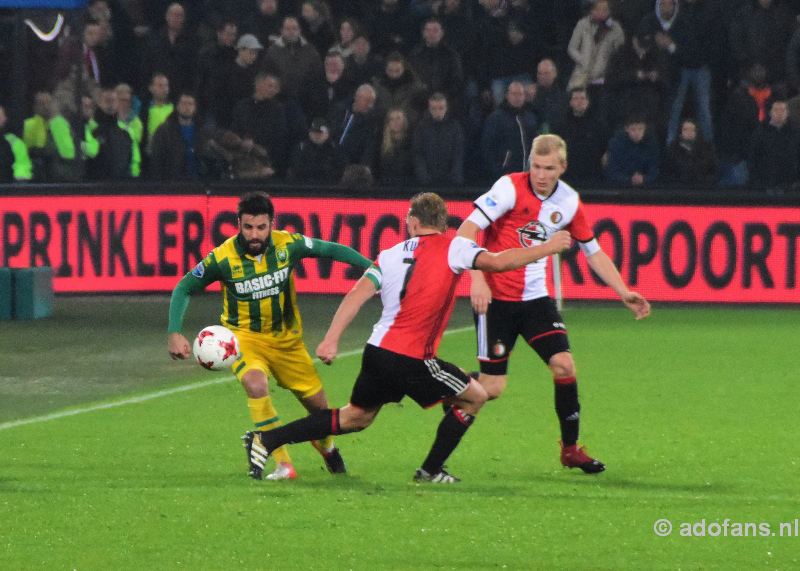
(146, 243)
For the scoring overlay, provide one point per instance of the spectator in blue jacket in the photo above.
(507, 134)
(633, 155)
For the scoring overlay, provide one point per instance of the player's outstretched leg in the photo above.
(451, 430)
(576, 457)
(257, 454)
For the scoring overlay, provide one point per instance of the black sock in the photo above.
(568, 409)
(472, 375)
(315, 426)
(452, 427)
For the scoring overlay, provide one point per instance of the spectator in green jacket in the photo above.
(15, 164)
(157, 110)
(129, 121)
(34, 130)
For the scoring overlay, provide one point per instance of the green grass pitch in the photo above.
(693, 410)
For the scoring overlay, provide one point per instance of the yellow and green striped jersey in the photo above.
(258, 292)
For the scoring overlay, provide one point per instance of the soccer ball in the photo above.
(216, 347)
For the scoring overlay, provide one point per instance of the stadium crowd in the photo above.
(692, 93)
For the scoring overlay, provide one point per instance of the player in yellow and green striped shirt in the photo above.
(260, 306)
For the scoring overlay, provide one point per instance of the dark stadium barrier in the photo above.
(6, 294)
(671, 246)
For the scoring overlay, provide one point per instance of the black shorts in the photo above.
(387, 377)
(537, 320)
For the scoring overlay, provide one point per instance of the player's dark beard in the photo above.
(253, 247)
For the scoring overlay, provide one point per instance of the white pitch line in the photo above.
(155, 395)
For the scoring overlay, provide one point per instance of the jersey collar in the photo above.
(540, 197)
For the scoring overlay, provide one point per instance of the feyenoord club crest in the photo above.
(556, 217)
(531, 234)
(499, 349)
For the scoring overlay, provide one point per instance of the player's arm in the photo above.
(605, 268)
(339, 252)
(364, 289)
(514, 258)
(489, 207)
(479, 293)
(203, 274)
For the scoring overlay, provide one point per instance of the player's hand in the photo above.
(479, 294)
(178, 346)
(327, 351)
(637, 304)
(559, 242)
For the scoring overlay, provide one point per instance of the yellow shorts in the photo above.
(288, 361)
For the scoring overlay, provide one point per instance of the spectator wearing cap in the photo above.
(317, 159)
(235, 81)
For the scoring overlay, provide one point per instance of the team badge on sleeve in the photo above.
(199, 270)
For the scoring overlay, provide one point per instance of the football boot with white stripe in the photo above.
(443, 477)
(257, 454)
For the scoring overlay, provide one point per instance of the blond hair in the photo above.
(430, 210)
(546, 144)
(392, 140)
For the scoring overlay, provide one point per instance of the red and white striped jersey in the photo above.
(514, 216)
(417, 280)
